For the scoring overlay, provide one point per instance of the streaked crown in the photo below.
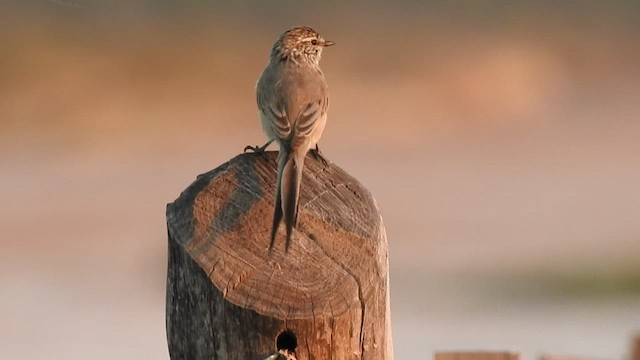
(300, 44)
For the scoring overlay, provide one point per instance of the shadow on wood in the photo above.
(228, 297)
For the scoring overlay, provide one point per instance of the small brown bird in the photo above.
(293, 99)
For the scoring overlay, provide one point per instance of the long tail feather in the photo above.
(277, 214)
(290, 191)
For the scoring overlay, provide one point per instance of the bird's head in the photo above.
(300, 44)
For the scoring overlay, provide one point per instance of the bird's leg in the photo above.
(318, 155)
(258, 149)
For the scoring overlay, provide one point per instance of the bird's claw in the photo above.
(318, 156)
(260, 150)
(254, 149)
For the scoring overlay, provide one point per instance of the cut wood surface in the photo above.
(229, 297)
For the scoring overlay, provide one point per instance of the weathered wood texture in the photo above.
(477, 355)
(228, 297)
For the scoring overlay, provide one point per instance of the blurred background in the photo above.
(501, 140)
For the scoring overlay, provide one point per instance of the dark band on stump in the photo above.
(228, 297)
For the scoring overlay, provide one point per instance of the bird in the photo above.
(293, 99)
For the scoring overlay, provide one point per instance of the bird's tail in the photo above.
(290, 165)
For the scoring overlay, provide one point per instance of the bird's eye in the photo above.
(314, 42)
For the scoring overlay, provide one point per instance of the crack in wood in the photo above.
(246, 304)
(355, 193)
(213, 268)
(225, 291)
(241, 279)
(360, 297)
(333, 323)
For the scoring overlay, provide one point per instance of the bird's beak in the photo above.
(328, 43)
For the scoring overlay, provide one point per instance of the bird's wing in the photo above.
(308, 118)
(273, 106)
(311, 102)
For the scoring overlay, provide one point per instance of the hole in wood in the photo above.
(287, 340)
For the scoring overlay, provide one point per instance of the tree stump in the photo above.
(229, 297)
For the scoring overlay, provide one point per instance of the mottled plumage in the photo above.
(293, 99)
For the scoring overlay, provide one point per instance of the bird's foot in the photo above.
(260, 150)
(318, 156)
(254, 149)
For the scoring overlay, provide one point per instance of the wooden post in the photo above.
(477, 355)
(228, 297)
(635, 348)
